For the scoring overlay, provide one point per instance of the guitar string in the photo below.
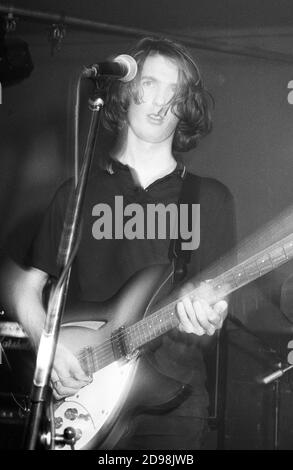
(98, 351)
(105, 351)
(106, 347)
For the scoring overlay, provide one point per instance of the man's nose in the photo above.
(161, 98)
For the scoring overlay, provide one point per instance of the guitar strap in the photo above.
(190, 194)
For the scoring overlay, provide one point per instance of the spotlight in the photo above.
(15, 60)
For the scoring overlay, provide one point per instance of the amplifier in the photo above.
(16, 360)
(12, 337)
(16, 372)
(13, 407)
(12, 420)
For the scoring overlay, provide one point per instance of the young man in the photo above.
(164, 110)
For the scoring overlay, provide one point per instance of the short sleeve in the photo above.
(42, 250)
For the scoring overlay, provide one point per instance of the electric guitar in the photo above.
(109, 341)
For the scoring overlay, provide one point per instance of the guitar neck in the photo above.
(165, 319)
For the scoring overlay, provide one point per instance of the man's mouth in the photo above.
(156, 118)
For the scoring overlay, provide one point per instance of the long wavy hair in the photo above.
(192, 103)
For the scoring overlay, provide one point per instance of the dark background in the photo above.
(244, 49)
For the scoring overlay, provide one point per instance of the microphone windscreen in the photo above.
(130, 64)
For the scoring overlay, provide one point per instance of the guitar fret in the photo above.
(233, 279)
(279, 255)
(140, 334)
(161, 325)
(264, 265)
(129, 341)
(289, 247)
(82, 362)
(271, 260)
(88, 360)
(92, 361)
(150, 328)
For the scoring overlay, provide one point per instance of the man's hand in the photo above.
(67, 375)
(198, 316)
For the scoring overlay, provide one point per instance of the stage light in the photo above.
(15, 61)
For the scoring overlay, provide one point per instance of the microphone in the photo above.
(123, 67)
(275, 375)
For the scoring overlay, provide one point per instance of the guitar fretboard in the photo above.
(165, 319)
(254, 267)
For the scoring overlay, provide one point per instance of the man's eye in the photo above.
(147, 83)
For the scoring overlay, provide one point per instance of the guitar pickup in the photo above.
(118, 344)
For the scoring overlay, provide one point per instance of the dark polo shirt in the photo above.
(102, 266)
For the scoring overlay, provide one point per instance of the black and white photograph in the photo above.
(146, 236)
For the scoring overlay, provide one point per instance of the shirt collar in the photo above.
(114, 165)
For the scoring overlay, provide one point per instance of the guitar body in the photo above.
(100, 410)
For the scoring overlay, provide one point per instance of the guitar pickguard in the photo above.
(95, 404)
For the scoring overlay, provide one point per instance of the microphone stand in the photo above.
(275, 377)
(68, 246)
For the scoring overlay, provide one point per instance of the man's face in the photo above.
(152, 120)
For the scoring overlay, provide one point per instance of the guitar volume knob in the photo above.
(71, 414)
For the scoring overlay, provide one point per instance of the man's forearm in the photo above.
(21, 293)
(31, 315)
